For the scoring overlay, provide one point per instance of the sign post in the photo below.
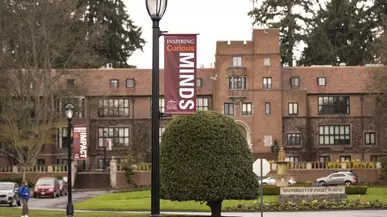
(261, 167)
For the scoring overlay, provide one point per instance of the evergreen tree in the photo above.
(345, 33)
(120, 38)
(284, 14)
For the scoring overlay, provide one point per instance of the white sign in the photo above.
(265, 167)
(312, 190)
(268, 141)
(109, 144)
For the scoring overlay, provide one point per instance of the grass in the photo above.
(14, 212)
(140, 201)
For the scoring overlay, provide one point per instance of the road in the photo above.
(61, 202)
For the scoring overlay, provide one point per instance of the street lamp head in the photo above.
(156, 8)
(69, 111)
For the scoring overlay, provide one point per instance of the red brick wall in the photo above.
(31, 177)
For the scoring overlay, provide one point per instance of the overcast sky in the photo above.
(214, 20)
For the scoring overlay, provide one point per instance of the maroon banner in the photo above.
(180, 73)
(80, 143)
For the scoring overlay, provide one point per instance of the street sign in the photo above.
(265, 167)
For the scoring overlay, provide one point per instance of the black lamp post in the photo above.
(69, 110)
(156, 10)
(104, 151)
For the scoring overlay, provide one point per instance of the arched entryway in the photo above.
(245, 129)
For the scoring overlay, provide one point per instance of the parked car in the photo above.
(63, 187)
(271, 181)
(339, 178)
(9, 193)
(47, 186)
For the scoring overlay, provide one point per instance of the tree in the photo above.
(40, 39)
(345, 33)
(205, 158)
(121, 37)
(283, 15)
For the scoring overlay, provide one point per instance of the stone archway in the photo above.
(245, 129)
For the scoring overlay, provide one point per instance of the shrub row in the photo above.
(274, 190)
(309, 206)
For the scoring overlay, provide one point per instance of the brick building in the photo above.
(317, 113)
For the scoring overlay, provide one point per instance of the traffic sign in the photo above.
(265, 167)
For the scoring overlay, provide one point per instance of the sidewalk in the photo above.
(350, 213)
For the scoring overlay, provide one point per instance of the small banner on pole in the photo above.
(80, 143)
(109, 145)
(180, 73)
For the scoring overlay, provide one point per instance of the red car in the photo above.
(47, 186)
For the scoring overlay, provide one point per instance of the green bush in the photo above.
(127, 166)
(205, 158)
(356, 189)
(271, 190)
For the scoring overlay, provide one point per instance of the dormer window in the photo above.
(70, 83)
(237, 61)
(114, 83)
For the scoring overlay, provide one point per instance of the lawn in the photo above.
(140, 201)
(14, 212)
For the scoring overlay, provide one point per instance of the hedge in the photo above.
(274, 190)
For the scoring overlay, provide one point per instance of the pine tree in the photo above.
(121, 37)
(345, 33)
(283, 14)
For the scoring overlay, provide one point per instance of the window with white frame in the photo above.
(161, 105)
(247, 108)
(334, 135)
(161, 131)
(370, 138)
(324, 158)
(321, 81)
(345, 158)
(294, 159)
(114, 83)
(228, 108)
(293, 139)
(119, 136)
(267, 108)
(293, 108)
(118, 107)
(237, 61)
(237, 83)
(199, 82)
(266, 83)
(202, 103)
(129, 82)
(294, 81)
(62, 136)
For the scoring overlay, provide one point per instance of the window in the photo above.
(267, 108)
(113, 107)
(70, 83)
(237, 61)
(202, 103)
(228, 108)
(161, 131)
(293, 159)
(247, 108)
(78, 102)
(237, 83)
(113, 83)
(161, 105)
(293, 108)
(199, 82)
(321, 81)
(41, 162)
(369, 138)
(62, 137)
(129, 82)
(295, 82)
(334, 135)
(324, 158)
(266, 83)
(293, 139)
(377, 158)
(119, 136)
(345, 158)
(333, 105)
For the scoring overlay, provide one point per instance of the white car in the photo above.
(271, 181)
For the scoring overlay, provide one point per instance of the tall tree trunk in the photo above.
(216, 207)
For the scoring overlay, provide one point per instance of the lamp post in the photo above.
(69, 111)
(104, 151)
(156, 10)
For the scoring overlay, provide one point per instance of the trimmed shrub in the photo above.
(205, 158)
(356, 190)
(270, 190)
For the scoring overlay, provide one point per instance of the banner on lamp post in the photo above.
(180, 73)
(109, 145)
(80, 143)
